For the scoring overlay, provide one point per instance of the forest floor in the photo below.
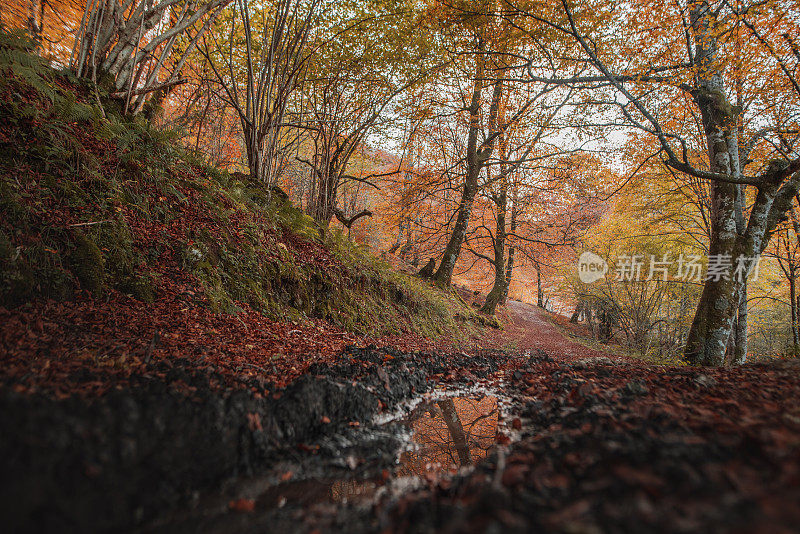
(530, 328)
(582, 440)
(528, 428)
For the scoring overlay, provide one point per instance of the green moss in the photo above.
(87, 263)
(53, 163)
(140, 286)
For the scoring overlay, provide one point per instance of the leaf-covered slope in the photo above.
(105, 216)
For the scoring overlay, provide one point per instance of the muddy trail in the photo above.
(532, 329)
(551, 436)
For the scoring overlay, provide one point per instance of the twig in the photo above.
(150, 348)
(87, 223)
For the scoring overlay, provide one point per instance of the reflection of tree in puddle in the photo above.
(450, 433)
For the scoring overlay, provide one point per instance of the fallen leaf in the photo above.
(242, 505)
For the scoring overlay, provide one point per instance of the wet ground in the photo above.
(444, 432)
(171, 452)
(387, 441)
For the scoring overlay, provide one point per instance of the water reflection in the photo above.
(448, 434)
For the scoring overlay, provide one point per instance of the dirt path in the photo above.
(529, 327)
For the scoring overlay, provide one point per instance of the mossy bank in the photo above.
(92, 201)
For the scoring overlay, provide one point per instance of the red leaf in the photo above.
(242, 505)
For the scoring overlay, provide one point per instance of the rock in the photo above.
(636, 387)
(705, 381)
(586, 363)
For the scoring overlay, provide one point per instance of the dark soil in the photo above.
(604, 446)
(171, 434)
(626, 448)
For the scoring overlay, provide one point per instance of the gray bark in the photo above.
(456, 430)
(710, 331)
(500, 285)
(477, 155)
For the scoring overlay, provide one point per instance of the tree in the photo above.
(351, 86)
(785, 248)
(130, 41)
(514, 164)
(640, 89)
(477, 154)
(259, 71)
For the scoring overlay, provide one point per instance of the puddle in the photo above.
(444, 433)
(449, 433)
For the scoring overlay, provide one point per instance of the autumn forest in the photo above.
(399, 265)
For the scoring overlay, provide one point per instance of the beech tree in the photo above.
(478, 151)
(500, 48)
(640, 86)
(259, 66)
(785, 248)
(132, 40)
(519, 155)
(351, 88)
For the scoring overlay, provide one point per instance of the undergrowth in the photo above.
(93, 201)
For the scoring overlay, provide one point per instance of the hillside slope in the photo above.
(118, 248)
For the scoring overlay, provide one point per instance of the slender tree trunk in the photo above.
(738, 336)
(791, 273)
(476, 158)
(511, 249)
(509, 272)
(499, 287)
(36, 19)
(456, 431)
(324, 202)
(444, 275)
(797, 326)
(257, 161)
(396, 245)
(793, 306)
(740, 348)
(539, 292)
(580, 309)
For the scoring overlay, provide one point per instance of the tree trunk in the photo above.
(499, 287)
(708, 336)
(509, 272)
(323, 203)
(793, 306)
(35, 19)
(740, 333)
(797, 307)
(476, 158)
(539, 292)
(456, 430)
(579, 309)
(511, 249)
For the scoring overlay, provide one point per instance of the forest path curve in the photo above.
(529, 327)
